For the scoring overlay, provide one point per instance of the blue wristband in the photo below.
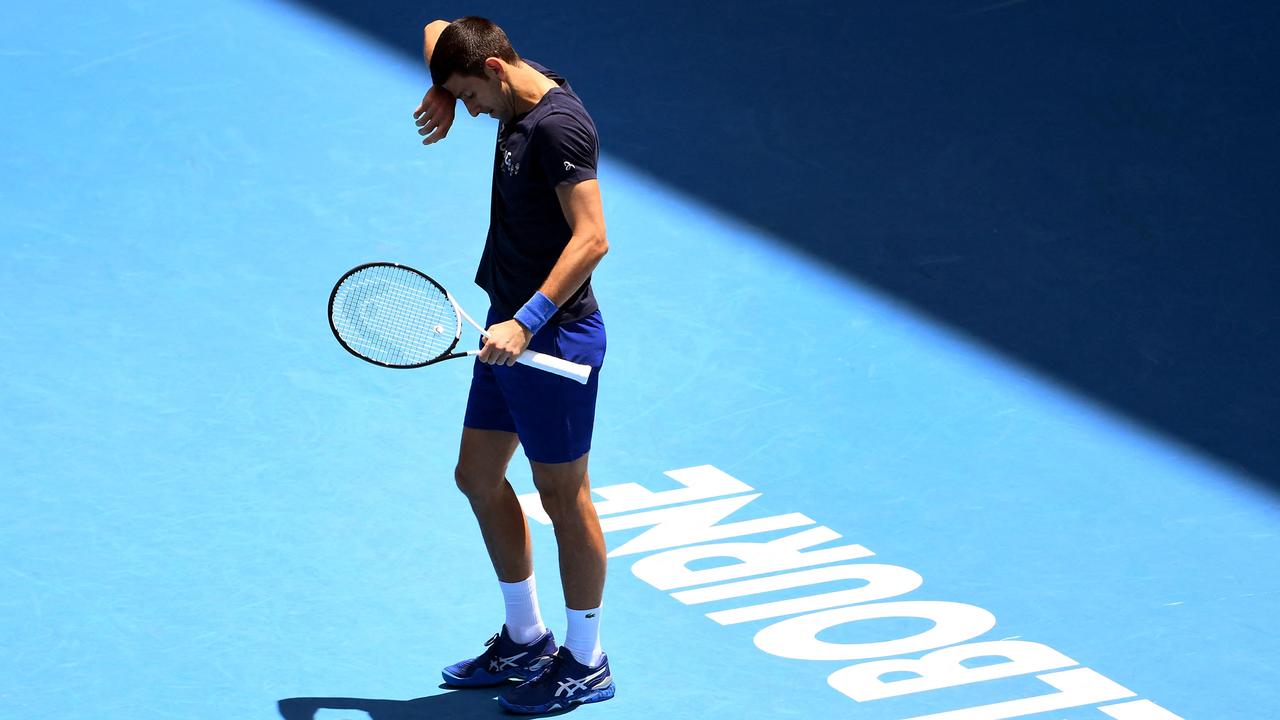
(536, 312)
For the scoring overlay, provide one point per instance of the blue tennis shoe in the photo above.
(502, 660)
(560, 681)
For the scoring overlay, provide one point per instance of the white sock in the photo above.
(524, 622)
(583, 638)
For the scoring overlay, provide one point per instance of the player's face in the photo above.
(482, 96)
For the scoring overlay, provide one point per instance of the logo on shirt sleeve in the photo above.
(569, 166)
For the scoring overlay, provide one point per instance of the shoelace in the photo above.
(491, 647)
(543, 667)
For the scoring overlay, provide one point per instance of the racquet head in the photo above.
(394, 316)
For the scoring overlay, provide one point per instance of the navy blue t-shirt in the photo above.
(552, 144)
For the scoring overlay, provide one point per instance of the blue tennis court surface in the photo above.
(818, 502)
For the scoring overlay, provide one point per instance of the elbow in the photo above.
(430, 34)
(591, 243)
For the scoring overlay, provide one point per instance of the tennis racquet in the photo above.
(394, 316)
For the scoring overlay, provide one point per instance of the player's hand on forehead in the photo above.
(434, 115)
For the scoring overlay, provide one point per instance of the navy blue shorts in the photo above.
(552, 416)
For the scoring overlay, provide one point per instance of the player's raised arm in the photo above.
(434, 115)
(430, 34)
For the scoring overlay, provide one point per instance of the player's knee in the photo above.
(476, 484)
(560, 500)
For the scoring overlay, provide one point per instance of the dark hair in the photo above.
(463, 47)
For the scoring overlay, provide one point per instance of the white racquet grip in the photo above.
(555, 365)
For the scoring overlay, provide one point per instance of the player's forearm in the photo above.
(577, 261)
(430, 34)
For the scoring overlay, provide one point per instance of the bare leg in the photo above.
(565, 490)
(481, 476)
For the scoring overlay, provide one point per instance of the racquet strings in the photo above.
(394, 316)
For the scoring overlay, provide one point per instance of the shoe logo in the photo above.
(570, 685)
(502, 663)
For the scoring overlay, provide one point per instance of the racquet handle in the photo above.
(555, 365)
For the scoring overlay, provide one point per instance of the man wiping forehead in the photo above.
(546, 235)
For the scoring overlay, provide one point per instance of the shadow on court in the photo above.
(460, 704)
(1085, 187)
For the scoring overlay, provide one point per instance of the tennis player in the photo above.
(546, 235)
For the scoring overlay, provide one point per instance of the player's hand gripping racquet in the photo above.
(395, 316)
